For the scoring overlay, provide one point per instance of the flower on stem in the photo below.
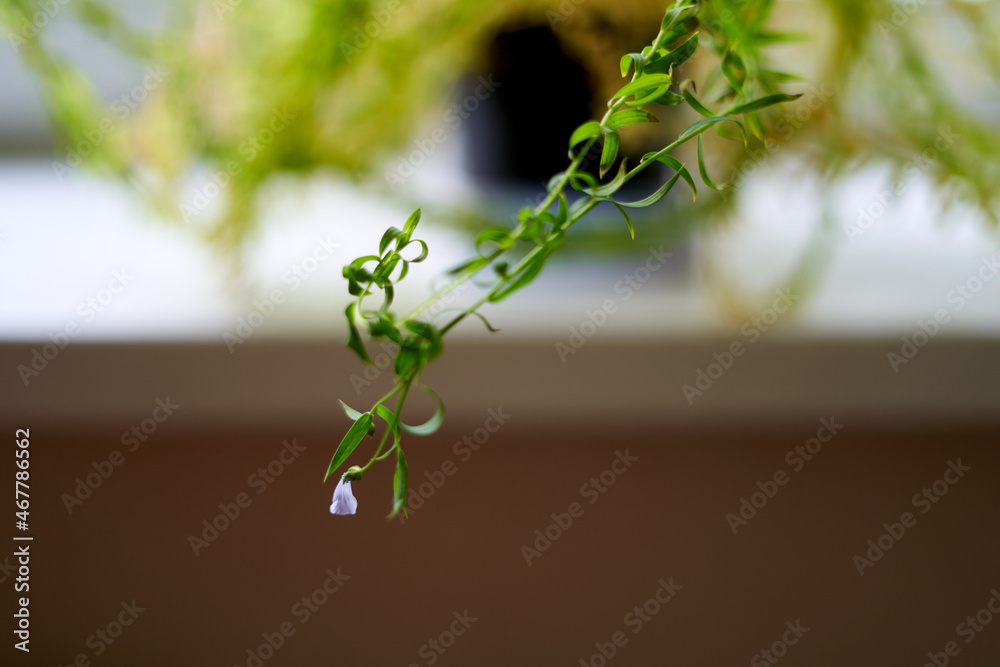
(344, 501)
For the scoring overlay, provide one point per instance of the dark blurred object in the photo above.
(517, 135)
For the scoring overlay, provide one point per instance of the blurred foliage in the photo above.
(353, 80)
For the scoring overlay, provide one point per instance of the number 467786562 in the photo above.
(21, 476)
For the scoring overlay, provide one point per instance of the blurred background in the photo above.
(181, 184)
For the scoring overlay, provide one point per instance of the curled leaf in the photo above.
(432, 424)
(359, 429)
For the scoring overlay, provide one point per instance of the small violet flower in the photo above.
(344, 501)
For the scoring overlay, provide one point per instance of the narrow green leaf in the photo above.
(388, 293)
(608, 153)
(674, 58)
(385, 267)
(359, 429)
(675, 14)
(354, 337)
(411, 222)
(485, 321)
(556, 239)
(651, 199)
(399, 484)
(669, 99)
(643, 86)
(387, 238)
(677, 166)
(423, 250)
(391, 422)
(753, 122)
(733, 69)
(702, 125)
(429, 333)
(361, 261)
(632, 58)
(614, 185)
(588, 130)
(695, 104)
(701, 167)
(629, 117)
(765, 37)
(628, 220)
(432, 424)
(561, 211)
(779, 77)
(498, 235)
(554, 181)
(581, 180)
(760, 103)
(471, 265)
(351, 412)
(385, 328)
(528, 273)
(407, 357)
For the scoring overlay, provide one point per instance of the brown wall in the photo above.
(663, 518)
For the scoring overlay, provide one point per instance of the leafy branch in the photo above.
(541, 229)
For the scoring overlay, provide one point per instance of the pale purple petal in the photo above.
(344, 501)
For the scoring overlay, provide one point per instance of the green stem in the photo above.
(405, 386)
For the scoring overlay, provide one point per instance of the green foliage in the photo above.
(355, 99)
(518, 255)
